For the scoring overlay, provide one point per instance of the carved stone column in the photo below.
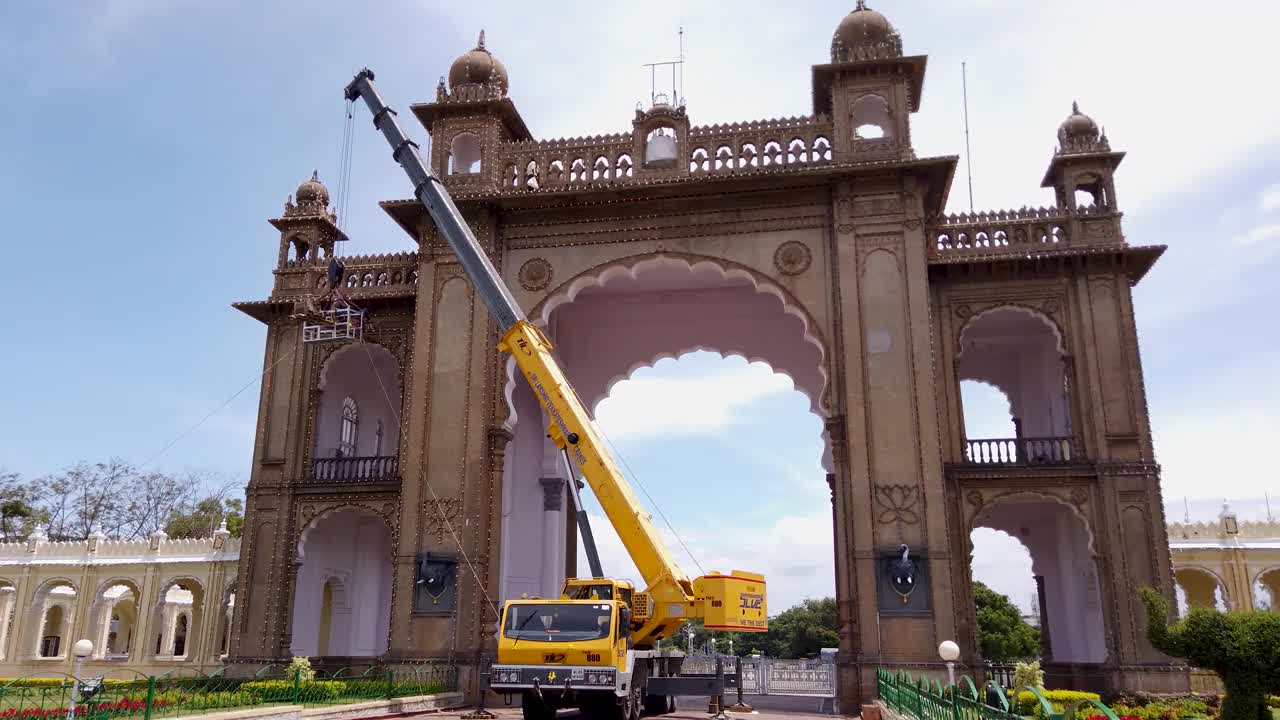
(552, 525)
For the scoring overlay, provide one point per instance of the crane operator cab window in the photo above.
(558, 622)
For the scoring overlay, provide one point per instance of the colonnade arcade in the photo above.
(150, 604)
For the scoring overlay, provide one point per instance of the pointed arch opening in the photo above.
(357, 436)
(1019, 354)
(1065, 581)
(342, 590)
(701, 326)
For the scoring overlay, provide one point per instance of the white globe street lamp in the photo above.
(81, 650)
(950, 652)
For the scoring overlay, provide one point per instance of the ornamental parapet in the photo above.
(97, 550)
(364, 276)
(745, 148)
(1019, 232)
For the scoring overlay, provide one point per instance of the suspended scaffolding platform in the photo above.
(340, 321)
(337, 318)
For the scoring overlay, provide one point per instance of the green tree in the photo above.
(803, 630)
(1242, 647)
(1003, 635)
(799, 631)
(19, 511)
(201, 520)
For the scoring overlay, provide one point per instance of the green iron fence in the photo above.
(924, 699)
(144, 697)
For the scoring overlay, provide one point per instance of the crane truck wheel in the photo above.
(656, 704)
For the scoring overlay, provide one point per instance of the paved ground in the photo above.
(766, 708)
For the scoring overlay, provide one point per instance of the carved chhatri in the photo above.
(819, 244)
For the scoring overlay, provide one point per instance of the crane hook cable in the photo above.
(435, 497)
(652, 502)
(344, 166)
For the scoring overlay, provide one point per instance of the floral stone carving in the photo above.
(792, 258)
(535, 274)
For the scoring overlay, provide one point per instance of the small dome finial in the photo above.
(862, 5)
(1075, 108)
(480, 43)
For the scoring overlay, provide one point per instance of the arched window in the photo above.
(871, 119)
(350, 423)
(180, 637)
(464, 154)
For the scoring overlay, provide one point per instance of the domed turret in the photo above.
(313, 192)
(865, 33)
(478, 67)
(1080, 133)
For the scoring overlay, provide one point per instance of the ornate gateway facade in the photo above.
(402, 485)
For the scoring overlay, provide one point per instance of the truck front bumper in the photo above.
(553, 677)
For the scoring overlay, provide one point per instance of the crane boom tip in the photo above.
(352, 91)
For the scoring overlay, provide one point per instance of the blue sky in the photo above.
(145, 144)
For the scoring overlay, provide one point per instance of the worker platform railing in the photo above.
(340, 322)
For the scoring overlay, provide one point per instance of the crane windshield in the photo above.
(558, 622)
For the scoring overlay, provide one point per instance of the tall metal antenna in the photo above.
(968, 156)
(680, 92)
(677, 76)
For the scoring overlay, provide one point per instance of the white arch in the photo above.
(1060, 343)
(632, 267)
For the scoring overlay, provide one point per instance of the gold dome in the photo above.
(478, 66)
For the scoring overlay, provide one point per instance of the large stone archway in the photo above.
(837, 235)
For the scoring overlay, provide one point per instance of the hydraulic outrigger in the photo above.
(595, 646)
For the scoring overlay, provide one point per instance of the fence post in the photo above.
(390, 683)
(151, 696)
(297, 686)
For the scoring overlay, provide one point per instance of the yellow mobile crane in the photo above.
(594, 647)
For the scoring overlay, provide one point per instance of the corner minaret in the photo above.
(1083, 162)
(470, 117)
(869, 89)
(308, 228)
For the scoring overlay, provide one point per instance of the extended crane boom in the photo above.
(730, 602)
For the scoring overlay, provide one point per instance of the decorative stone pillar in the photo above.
(552, 525)
(8, 598)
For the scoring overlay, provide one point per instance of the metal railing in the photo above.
(355, 469)
(1022, 451)
(925, 699)
(144, 697)
(771, 676)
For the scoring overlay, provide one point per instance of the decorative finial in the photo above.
(480, 45)
(1075, 108)
(315, 176)
(862, 5)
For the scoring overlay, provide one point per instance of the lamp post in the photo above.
(81, 650)
(950, 652)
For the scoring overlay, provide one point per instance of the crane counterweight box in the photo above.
(733, 602)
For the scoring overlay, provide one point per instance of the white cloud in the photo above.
(652, 404)
(1224, 453)
(1004, 565)
(1270, 198)
(1258, 234)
